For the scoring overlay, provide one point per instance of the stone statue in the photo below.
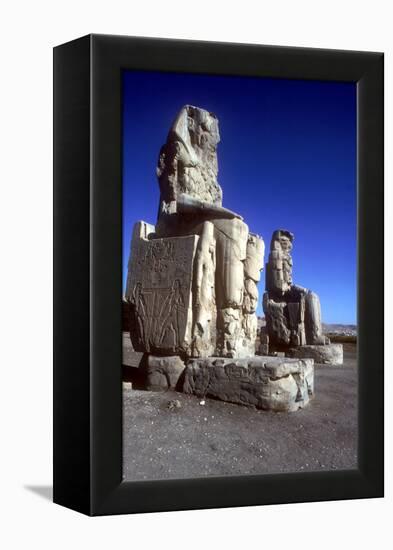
(205, 247)
(192, 285)
(293, 313)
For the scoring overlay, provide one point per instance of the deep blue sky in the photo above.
(287, 159)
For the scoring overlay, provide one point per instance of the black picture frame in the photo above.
(87, 273)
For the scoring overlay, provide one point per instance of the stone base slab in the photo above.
(164, 373)
(269, 383)
(329, 354)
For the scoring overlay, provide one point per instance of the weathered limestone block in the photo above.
(269, 383)
(263, 344)
(329, 354)
(159, 291)
(229, 331)
(163, 373)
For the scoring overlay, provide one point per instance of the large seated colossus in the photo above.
(293, 313)
(192, 277)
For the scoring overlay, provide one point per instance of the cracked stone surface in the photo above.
(329, 354)
(269, 383)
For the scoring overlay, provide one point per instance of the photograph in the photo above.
(195, 194)
(239, 275)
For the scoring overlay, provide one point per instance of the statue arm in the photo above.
(190, 205)
(300, 289)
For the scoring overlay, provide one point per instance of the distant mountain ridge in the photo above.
(328, 328)
(336, 328)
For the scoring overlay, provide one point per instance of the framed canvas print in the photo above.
(218, 275)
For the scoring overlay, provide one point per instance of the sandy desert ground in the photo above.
(162, 441)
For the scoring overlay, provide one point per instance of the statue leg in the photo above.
(296, 312)
(231, 237)
(276, 321)
(252, 275)
(204, 332)
(313, 320)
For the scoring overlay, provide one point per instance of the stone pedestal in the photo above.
(164, 373)
(269, 383)
(329, 354)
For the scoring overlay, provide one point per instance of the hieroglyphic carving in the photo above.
(159, 292)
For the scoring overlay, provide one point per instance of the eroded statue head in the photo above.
(197, 128)
(282, 240)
